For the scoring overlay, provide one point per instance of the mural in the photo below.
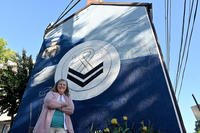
(110, 56)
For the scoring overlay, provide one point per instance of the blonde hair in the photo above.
(55, 89)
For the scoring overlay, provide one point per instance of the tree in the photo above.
(6, 53)
(197, 126)
(13, 83)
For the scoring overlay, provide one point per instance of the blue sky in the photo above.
(23, 23)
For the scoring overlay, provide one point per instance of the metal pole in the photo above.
(196, 102)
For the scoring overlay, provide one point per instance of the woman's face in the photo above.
(62, 86)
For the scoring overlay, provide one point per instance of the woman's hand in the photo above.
(63, 105)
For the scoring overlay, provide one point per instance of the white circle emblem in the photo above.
(90, 68)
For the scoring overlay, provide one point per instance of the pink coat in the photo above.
(49, 106)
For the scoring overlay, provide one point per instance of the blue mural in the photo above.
(114, 67)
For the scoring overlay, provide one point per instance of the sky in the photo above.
(23, 23)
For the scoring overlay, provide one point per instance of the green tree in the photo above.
(6, 53)
(13, 80)
(197, 126)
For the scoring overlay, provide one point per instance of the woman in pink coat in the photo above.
(56, 111)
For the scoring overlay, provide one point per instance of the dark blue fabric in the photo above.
(140, 92)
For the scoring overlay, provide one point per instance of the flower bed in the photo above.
(115, 127)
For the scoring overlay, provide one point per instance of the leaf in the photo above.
(13, 83)
(126, 130)
(91, 128)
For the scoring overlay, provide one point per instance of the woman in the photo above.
(56, 111)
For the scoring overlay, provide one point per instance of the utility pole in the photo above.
(196, 102)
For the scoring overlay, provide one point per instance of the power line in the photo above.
(67, 11)
(168, 30)
(187, 33)
(64, 12)
(188, 48)
(181, 46)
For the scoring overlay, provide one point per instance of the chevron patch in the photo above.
(90, 68)
(73, 75)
